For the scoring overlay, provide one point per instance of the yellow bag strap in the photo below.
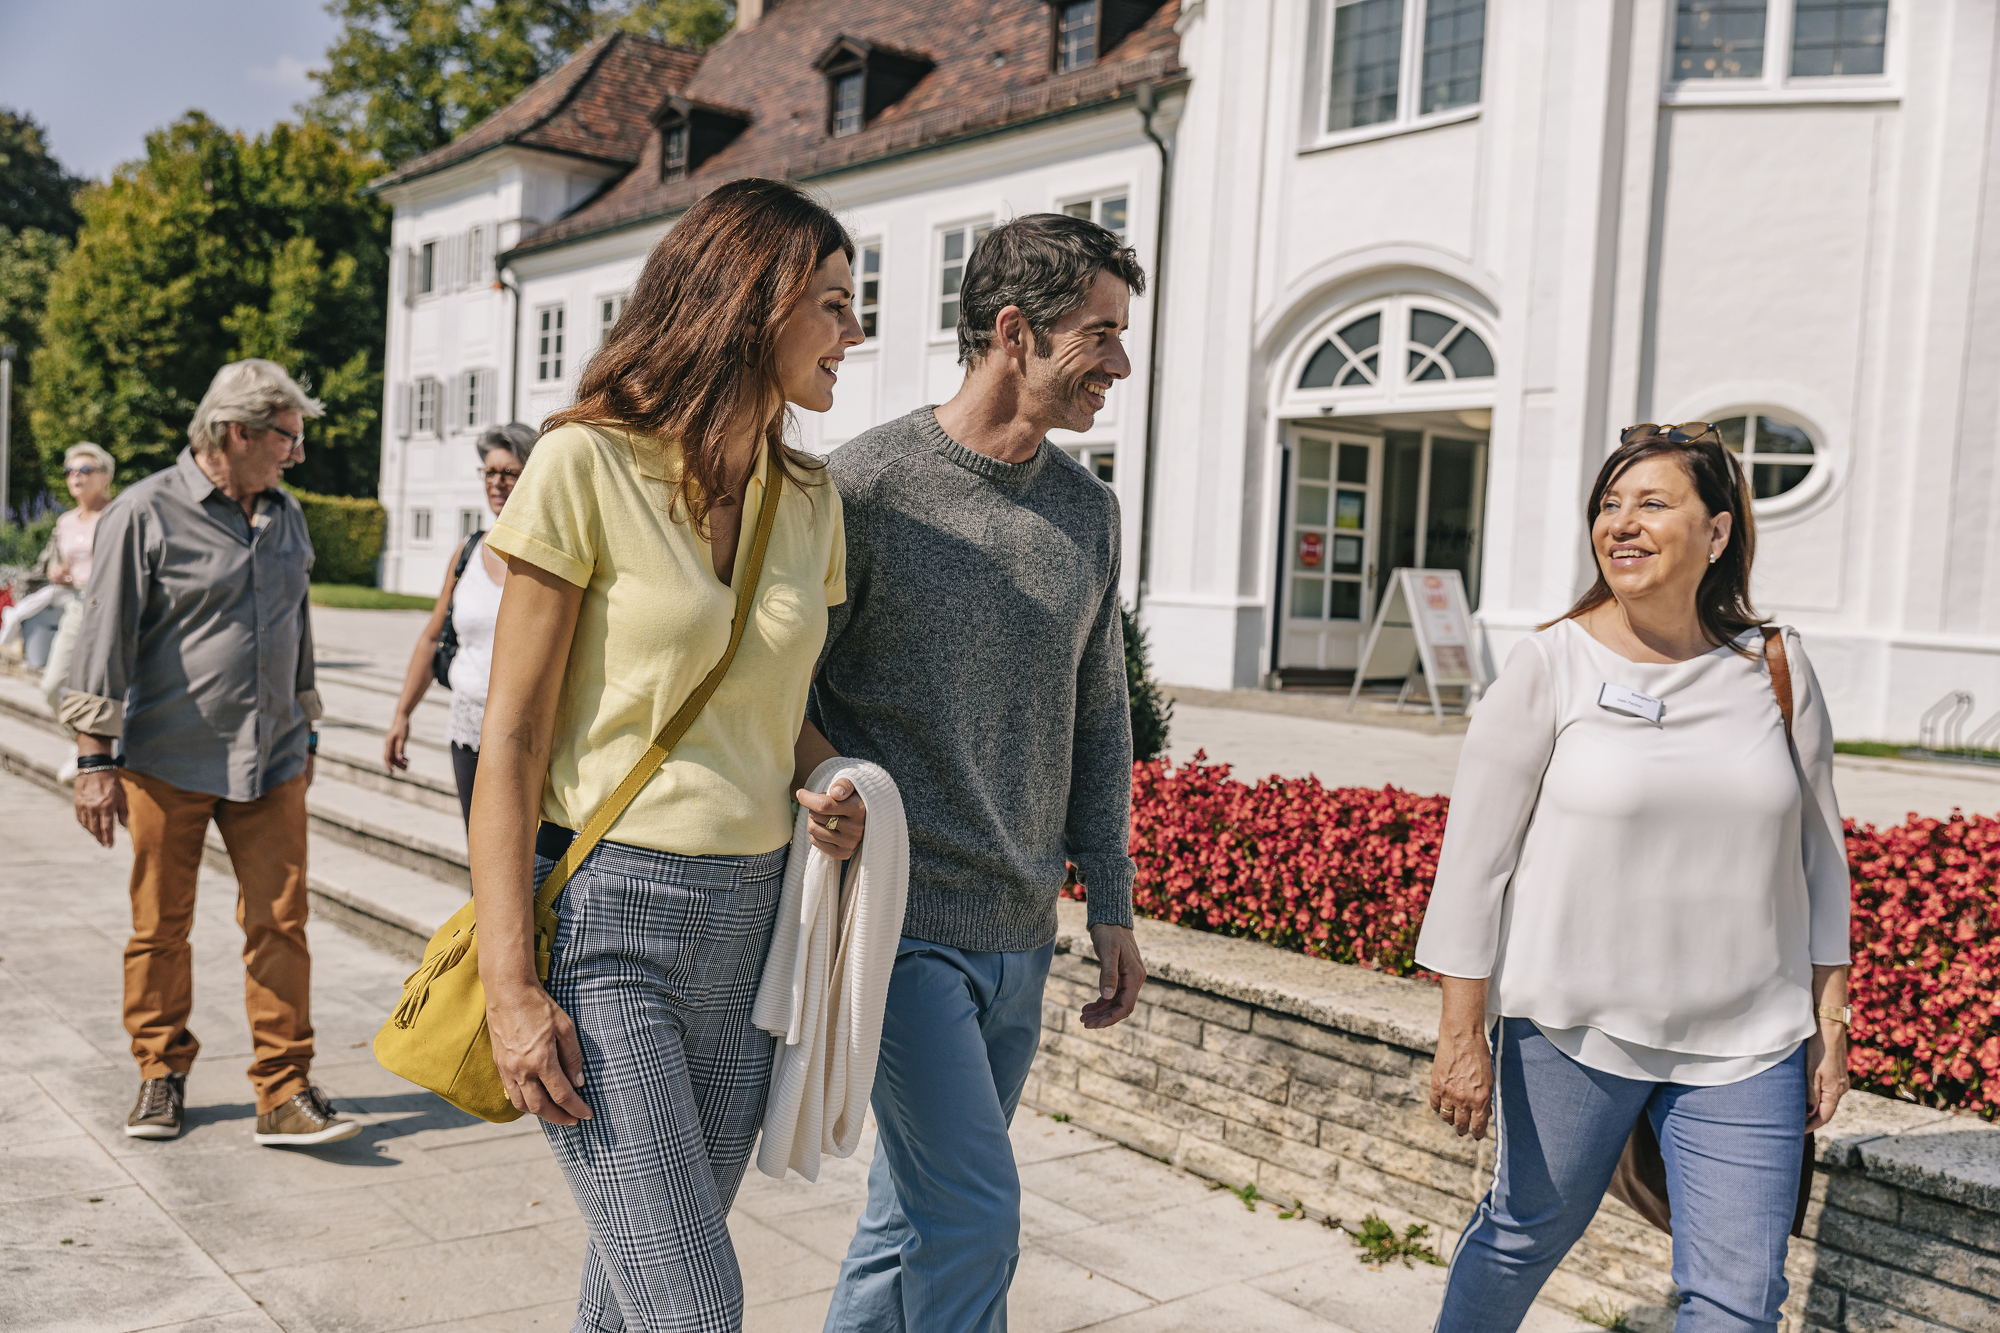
(670, 735)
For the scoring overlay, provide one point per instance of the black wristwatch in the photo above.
(90, 763)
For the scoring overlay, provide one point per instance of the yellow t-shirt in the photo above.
(593, 509)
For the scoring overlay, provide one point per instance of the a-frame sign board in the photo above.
(1422, 627)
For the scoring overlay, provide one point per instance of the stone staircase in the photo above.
(386, 856)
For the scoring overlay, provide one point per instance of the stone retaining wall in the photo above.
(1247, 1065)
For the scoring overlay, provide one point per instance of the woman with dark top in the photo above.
(473, 602)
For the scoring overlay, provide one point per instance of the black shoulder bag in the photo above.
(447, 644)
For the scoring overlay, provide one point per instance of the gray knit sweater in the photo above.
(980, 660)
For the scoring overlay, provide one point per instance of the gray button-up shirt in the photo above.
(196, 643)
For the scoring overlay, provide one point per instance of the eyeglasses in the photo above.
(297, 440)
(507, 476)
(83, 471)
(1686, 433)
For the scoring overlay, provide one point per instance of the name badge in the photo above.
(1630, 701)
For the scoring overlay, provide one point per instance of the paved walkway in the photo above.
(430, 1219)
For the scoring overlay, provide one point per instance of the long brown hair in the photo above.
(1722, 602)
(697, 344)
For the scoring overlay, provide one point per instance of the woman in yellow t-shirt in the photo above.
(623, 553)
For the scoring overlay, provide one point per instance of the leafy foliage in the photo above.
(1379, 1242)
(35, 192)
(213, 248)
(407, 76)
(1926, 947)
(1346, 874)
(28, 260)
(346, 534)
(1151, 711)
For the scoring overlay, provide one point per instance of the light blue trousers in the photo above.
(936, 1248)
(1732, 1155)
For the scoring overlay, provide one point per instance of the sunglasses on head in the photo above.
(1686, 433)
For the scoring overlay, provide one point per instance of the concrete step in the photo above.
(390, 827)
(382, 899)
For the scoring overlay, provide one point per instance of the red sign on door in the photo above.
(1312, 550)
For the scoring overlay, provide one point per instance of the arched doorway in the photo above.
(1384, 412)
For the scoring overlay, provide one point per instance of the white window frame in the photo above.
(420, 527)
(1057, 10)
(478, 258)
(1095, 204)
(471, 405)
(1409, 86)
(542, 356)
(1088, 456)
(973, 229)
(617, 302)
(424, 269)
(1776, 84)
(427, 404)
(469, 522)
(862, 307)
(1825, 465)
(1395, 391)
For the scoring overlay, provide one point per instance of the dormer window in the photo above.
(674, 152)
(864, 79)
(1076, 34)
(692, 132)
(847, 114)
(1081, 31)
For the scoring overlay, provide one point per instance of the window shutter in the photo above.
(403, 411)
(486, 378)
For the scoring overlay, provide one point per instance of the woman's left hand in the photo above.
(1826, 1072)
(837, 820)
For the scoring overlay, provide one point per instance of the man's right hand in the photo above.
(538, 1054)
(100, 803)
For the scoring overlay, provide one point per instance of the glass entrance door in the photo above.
(1433, 496)
(1329, 553)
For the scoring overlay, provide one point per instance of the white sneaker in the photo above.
(67, 773)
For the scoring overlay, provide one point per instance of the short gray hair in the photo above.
(517, 438)
(96, 453)
(252, 393)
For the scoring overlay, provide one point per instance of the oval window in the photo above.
(1347, 359)
(1778, 455)
(1443, 348)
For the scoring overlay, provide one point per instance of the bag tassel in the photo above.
(418, 988)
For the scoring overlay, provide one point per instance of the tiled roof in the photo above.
(594, 106)
(990, 69)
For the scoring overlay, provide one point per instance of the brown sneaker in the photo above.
(158, 1113)
(306, 1119)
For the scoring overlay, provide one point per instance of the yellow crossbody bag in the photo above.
(437, 1037)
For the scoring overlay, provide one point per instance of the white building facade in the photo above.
(1424, 259)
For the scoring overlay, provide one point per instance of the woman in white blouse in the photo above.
(1641, 908)
(473, 601)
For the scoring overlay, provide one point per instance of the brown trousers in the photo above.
(266, 839)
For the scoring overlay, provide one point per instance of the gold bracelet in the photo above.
(1842, 1015)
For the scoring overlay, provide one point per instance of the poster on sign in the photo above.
(1312, 550)
(1423, 628)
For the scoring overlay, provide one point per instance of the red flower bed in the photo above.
(1926, 944)
(1344, 874)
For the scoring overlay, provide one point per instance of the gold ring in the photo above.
(833, 823)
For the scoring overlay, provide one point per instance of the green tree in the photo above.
(407, 76)
(213, 248)
(1152, 711)
(35, 192)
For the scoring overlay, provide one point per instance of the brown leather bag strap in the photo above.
(1781, 673)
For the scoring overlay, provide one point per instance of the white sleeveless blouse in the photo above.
(475, 607)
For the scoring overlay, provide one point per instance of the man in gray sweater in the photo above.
(979, 658)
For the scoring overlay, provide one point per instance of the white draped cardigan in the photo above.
(826, 978)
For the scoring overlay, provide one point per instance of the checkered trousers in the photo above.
(657, 961)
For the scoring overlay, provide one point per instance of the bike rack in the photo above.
(1985, 736)
(1938, 729)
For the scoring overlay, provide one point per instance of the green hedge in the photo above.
(346, 536)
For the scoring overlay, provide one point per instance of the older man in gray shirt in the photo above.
(193, 674)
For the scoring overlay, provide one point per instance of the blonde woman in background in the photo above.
(87, 470)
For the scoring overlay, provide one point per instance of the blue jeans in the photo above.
(1732, 1155)
(936, 1248)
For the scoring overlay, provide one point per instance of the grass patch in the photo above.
(1872, 749)
(1060, 1117)
(354, 597)
(1604, 1314)
(1249, 1196)
(1379, 1242)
